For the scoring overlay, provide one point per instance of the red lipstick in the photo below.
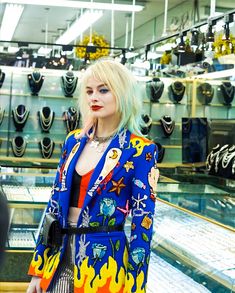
(96, 108)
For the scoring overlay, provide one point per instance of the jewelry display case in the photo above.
(206, 200)
(181, 246)
(36, 114)
(200, 249)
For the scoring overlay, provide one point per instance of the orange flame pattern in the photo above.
(111, 278)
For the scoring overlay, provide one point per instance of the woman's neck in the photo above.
(106, 128)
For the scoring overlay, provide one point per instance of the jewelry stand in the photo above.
(35, 81)
(46, 146)
(18, 146)
(69, 83)
(46, 117)
(20, 115)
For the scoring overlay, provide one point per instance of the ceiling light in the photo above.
(10, 20)
(44, 51)
(80, 4)
(79, 26)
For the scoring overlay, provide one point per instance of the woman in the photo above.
(106, 170)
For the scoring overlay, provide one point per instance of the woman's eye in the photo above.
(89, 92)
(104, 90)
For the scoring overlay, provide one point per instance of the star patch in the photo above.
(128, 165)
(117, 186)
(148, 157)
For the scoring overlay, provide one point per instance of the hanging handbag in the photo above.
(52, 234)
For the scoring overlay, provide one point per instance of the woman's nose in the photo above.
(94, 96)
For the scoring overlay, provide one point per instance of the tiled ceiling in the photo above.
(32, 25)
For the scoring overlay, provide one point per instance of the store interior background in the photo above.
(190, 192)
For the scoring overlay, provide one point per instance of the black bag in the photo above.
(52, 234)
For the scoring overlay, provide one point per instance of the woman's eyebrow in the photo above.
(99, 86)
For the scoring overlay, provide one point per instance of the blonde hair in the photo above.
(123, 86)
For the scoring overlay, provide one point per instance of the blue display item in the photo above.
(194, 140)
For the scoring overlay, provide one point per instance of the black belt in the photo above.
(87, 230)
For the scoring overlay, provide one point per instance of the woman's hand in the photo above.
(34, 285)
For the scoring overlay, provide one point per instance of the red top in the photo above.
(79, 188)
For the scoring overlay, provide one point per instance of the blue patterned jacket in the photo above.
(122, 186)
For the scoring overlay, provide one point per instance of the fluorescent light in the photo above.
(79, 26)
(12, 50)
(80, 4)
(10, 20)
(44, 51)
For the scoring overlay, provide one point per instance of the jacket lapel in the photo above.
(111, 162)
(70, 162)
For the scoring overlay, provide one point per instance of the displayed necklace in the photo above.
(20, 115)
(155, 88)
(227, 90)
(219, 156)
(69, 83)
(46, 146)
(161, 151)
(18, 146)
(228, 156)
(2, 111)
(100, 143)
(35, 81)
(2, 78)
(46, 118)
(211, 157)
(176, 91)
(167, 124)
(186, 125)
(71, 118)
(206, 93)
(148, 124)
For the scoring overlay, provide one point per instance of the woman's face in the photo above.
(101, 101)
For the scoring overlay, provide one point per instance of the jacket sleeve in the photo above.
(143, 198)
(42, 252)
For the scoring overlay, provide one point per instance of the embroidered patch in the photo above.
(117, 186)
(139, 183)
(148, 157)
(128, 165)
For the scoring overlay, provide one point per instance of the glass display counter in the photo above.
(203, 199)
(189, 253)
(202, 250)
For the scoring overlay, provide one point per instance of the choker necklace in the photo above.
(69, 83)
(46, 146)
(18, 146)
(99, 142)
(167, 124)
(46, 118)
(227, 90)
(2, 111)
(20, 115)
